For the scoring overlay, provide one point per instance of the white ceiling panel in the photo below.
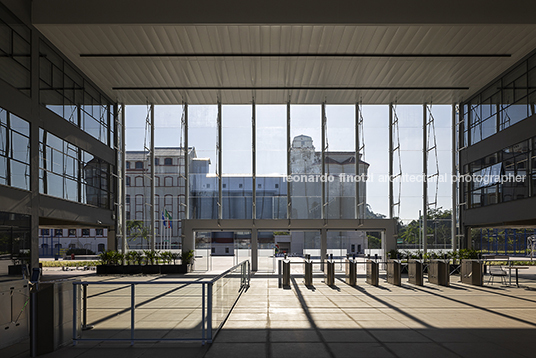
(171, 79)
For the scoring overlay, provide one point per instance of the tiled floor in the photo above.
(322, 321)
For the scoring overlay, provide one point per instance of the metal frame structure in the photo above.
(208, 332)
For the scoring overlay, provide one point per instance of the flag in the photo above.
(168, 217)
(164, 220)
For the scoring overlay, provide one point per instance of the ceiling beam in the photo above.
(287, 55)
(379, 12)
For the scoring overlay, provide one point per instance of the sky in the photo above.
(306, 119)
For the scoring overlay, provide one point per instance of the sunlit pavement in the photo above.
(322, 321)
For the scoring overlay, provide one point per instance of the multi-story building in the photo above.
(169, 204)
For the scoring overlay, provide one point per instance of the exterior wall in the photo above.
(55, 242)
(498, 130)
(24, 94)
(169, 193)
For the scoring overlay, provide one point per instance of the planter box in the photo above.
(141, 269)
(150, 269)
(170, 269)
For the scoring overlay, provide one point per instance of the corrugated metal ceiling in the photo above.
(387, 75)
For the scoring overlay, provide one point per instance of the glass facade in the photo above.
(14, 240)
(15, 46)
(14, 151)
(503, 176)
(68, 172)
(501, 104)
(64, 91)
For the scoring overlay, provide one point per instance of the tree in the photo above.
(136, 229)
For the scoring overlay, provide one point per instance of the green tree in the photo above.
(136, 230)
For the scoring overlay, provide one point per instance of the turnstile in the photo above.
(351, 272)
(329, 278)
(372, 276)
(308, 269)
(394, 272)
(472, 272)
(415, 275)
(284, 273)
(438, 272)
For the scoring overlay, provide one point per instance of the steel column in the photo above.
(323, 201)
(424, 179)
(357, 159)
(220, 167)
(151, 158)
(289, 202)
(391, 189)
(254, 159)
(454, 215)
(186, 152)
(123, 182)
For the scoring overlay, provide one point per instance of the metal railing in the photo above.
(217, 299)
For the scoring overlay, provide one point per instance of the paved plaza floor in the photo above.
(317, 321)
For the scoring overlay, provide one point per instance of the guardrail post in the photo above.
(132, 307)
(203, 314)
(74, 313)
(84, 305)
(209, 312)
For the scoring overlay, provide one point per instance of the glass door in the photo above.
(242, 246)
(266, 251)
(203, 249)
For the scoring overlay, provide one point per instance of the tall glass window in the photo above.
(204, 178)
(67, 172)
(271, 161)
(237, 162)
(64, 91)
(501, 104)
(306, 162)
(340, 162)
(14, 151)
(15, 44)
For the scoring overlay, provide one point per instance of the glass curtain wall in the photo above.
(138, 179)
(271, 161)
(170, 191)
(203, 173)
(237, 171)
(306, 161)
(14, 151)
(15, 49)
(340, 162)
(501, 104)
(376, 155)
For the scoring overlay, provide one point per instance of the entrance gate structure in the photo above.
(386, 226)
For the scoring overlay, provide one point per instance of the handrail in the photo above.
(207, 334)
